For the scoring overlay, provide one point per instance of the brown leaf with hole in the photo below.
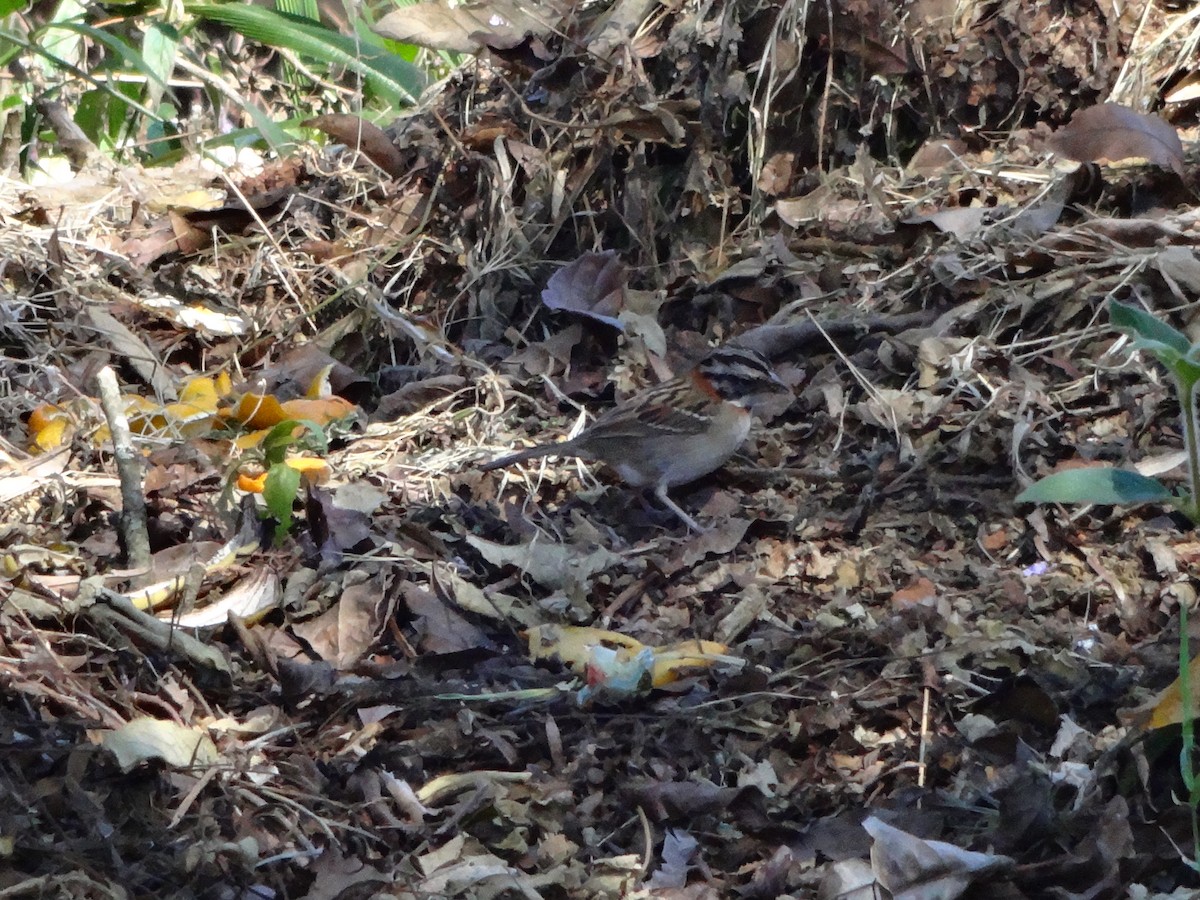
(1110, 133)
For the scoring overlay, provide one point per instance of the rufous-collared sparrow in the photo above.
(675, 432)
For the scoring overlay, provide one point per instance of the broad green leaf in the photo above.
(405, 51)
(105, 114)
(394, 79)
(8, 52)
(7, 7)
(159, 47)
(129, 56)
(1187, 373)
(161, 136)
(91, 114)
(1114, 486)
(19, 42)
(279, 493)
(277, 441)
(59, 48)
(1150, 331)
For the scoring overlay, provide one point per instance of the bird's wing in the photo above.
(667, 409)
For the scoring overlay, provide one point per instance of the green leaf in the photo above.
(123, 49)
(161, 136)
(399, 82)
(159, 47)
(279, 492)
(1150, 331)
(19, 42)
(283, 437)
(275, 136)
(241, 137)
(91, 114)
(66, 49)
(275, 444)
(1115, 486)
(305, 9)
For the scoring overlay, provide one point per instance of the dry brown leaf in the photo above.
(565, 567)
(133, 350)
(469, 27)
(250, 599)
(919, 592)
(366, 137)
(440, 628)
(144, 739)
(915, 869)
(344, 633)
(593, 286)
(1110, 133)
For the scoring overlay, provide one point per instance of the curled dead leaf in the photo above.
(593, 286)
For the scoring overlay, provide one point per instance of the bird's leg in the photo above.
(661, 493)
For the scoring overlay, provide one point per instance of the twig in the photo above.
(129, 469)
(117, 611)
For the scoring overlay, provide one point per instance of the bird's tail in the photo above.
(562, 449)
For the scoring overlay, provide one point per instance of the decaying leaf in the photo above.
(345, 632)
(469, 27)
(911, 868)
(491, 604)
(132, 348)
(1111, 133)
(163, 593)
(144, 739)
(195, 316)
(1168, 706)
(265, 410)
(440, 628)
(678, 849)
(249, 600)
(565, 567)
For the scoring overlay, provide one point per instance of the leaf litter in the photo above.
(890, 676)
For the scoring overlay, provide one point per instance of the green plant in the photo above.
(282, 483)
(120, 70)
(1120, 486)
(386, 74)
